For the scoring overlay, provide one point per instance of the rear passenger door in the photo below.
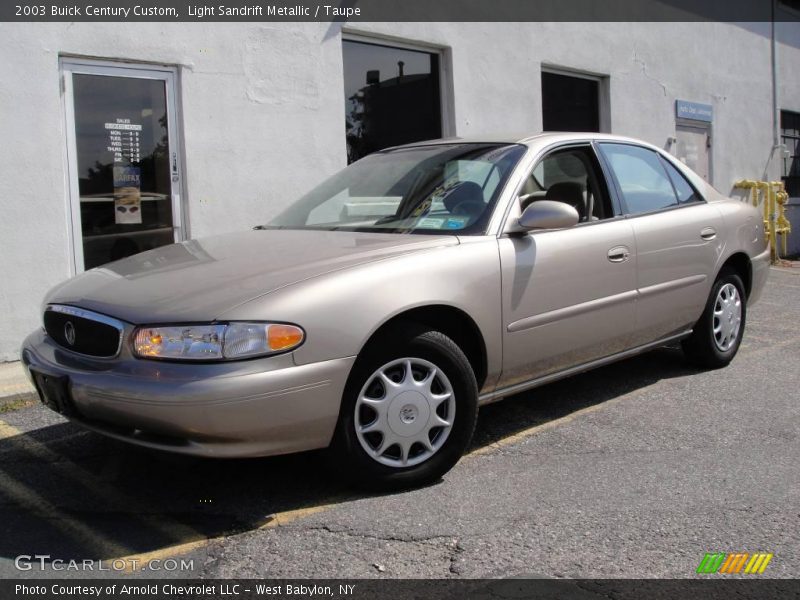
(677, 239)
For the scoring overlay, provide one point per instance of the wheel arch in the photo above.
(451, 321)
(740, 263)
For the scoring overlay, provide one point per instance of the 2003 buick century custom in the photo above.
(376, 313)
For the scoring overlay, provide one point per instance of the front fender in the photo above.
(340, 311)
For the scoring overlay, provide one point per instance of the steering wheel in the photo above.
(468, 208)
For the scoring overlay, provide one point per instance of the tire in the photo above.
(395, 413)
(716, 336)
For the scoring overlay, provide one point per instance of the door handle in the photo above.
(709, 233)
(619, 254)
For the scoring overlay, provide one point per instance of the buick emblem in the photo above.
(69, 333)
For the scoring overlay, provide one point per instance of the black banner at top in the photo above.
(400, 10)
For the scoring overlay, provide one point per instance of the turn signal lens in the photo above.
(284, 337)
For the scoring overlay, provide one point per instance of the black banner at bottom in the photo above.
(442, 589)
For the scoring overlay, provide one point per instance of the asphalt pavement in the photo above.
(633, 470)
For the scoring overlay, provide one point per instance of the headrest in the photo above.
(569, 192)
(466, 191)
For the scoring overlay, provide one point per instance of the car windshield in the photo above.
(443, 188)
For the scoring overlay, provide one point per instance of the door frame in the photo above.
(705, 127)
(68, 66)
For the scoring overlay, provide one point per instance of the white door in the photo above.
(124, 162)
(693, 149)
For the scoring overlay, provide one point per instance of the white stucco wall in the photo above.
(261, 109)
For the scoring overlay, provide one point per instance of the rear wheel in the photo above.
(718, 333)
(408, 411)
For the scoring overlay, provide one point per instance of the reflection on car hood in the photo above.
(199, 279)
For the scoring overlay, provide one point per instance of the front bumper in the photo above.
(256, 407)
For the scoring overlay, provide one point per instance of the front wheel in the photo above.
(718, 333)
(408, 412)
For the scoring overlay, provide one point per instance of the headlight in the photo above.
(216, 342)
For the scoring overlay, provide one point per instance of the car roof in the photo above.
(541, 141)
(531, 140)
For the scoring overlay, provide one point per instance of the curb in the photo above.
(14, 382)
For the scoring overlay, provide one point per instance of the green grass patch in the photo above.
(17, 402)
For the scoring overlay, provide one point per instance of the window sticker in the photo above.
(431, 223)
(456, 222)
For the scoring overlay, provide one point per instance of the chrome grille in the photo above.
(83, 331)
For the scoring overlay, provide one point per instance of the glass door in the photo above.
(123, 160)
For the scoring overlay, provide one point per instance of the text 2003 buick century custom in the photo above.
(376, 313)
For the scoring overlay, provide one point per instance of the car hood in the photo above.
(200, 279)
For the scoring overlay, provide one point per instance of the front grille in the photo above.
(83, 331)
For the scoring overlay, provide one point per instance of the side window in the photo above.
(683, 188)
(571, 176)
(642, 179)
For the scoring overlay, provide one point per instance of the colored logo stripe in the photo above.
(734, 562)
(720, 562)
(758, 563)
(711, 563)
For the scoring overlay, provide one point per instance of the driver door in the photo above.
(568, 294)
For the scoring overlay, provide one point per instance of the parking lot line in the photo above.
(280, 519)
(30, 500)
(140, 561)
(170, 528)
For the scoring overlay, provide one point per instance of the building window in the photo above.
(570, 103)
(790, 137)
(392, 97)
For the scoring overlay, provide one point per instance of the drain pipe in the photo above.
(776, 115)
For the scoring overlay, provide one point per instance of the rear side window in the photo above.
(642, 179)
(683, 188)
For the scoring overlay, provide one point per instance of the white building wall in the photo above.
(262, 105)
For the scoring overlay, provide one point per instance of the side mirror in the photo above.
(548, 214)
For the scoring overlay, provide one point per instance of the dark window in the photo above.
(642, 179)
(570, 103)
(123, 166)
(572, 176)
(790, 4)
(790, 137)
(686, 193)
(392, 97)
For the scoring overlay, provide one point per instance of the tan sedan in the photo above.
(378, 312)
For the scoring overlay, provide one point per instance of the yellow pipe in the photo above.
(782, 224)
(774, 197)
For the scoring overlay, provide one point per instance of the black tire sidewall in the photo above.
(705, 346)
(414, 342)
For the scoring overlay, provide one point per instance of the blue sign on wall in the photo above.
(694, 111)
